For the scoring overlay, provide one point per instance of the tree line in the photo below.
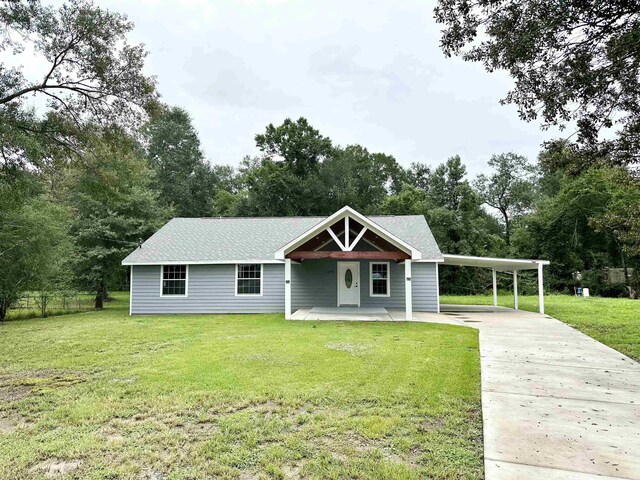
(107, 163)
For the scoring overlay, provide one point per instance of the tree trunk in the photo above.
(4, 306)
(100, 295)
(507, 227)
(105, 293)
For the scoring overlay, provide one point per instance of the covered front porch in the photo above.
(348, 266)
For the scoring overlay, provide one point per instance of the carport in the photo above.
(506, 265)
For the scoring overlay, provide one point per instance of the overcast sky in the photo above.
(360, 71)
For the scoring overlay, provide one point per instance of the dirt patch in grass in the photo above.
(12, 422)
(13, 393)
(16, 386)
(429, 424)
(54, 467)
(291, 472)
(354, 349)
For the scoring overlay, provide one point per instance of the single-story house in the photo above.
(282, 264)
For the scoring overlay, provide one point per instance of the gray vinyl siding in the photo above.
(424, 289)
(211, 289)
(313, 284)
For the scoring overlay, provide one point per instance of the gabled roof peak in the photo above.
(347, 211)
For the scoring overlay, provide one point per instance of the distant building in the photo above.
(616, 275)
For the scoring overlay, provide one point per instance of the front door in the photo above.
(349, 283)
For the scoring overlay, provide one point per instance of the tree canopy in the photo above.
(572, 61)
(297, 143)
(93, 75)
(510, 189)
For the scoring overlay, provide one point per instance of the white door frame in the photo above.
(356, 270)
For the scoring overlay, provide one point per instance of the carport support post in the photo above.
(515, 289)
(540, 289)
(407, 291)
(287, 289)
(495, 287)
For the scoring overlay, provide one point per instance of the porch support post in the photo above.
(515, 289)
(287, 289)
(495, 287)
(438, 286)
(540, 289)
(131, 290)
(407, 291)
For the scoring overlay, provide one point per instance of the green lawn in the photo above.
(103, 395)
(612, 321)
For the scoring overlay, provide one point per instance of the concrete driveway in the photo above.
(556, 404)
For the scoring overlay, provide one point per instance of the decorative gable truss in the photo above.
(345, 230)
(347, 246)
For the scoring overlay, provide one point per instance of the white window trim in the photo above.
(186, 282)
(235, 280)
(371, 294)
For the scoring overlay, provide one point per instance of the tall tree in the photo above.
(510, 189)
(185, 180)
(572, 60)
(93, 74)
(566, 228)
(271, 188)
(457, 216)
(298, 144)
(454, 213)
(447, 185)
(33, 237)
(622, 216)
(114, 208)
(356, 177)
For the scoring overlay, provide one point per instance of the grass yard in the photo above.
(103, 395)
(612, 321)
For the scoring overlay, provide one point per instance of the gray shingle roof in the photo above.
(257, 238)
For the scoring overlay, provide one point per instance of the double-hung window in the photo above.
(249, 279)
(379, 279)
(174, 280)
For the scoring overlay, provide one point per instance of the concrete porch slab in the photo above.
(343, 313)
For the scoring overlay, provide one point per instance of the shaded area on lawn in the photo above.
(612, 321)
(239, 396)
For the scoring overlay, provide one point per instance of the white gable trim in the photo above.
(339, 215)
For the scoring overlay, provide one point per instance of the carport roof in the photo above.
(500, 264)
